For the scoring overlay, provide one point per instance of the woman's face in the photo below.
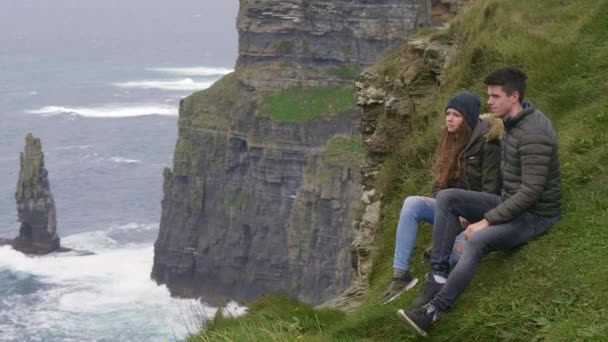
(453, 120)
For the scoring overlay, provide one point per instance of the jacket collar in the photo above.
(528, 109)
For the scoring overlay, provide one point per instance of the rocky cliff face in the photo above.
(324, 32)
(299, 34)
(35, 204)
(229, 198)
(255, 204)
(323, 221)
(443, 11)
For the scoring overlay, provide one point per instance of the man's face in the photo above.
(501, 104)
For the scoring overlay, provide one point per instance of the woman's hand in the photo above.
(464, 223)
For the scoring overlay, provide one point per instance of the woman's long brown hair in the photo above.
(446, 168)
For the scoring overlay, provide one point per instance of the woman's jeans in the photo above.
(415, 209)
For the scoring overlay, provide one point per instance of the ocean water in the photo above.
(99, 82)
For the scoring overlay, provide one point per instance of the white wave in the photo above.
(134, 226)
(96, 295)
(194, 71)
(109, 111)
(125, 160)
(32, 93)
(92, 241)
(93, 156)
(73, 147)
(93, 288)
(183, 84)
(234, 309)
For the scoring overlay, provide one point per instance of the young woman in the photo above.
(468, 157)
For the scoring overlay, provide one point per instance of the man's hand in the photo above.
(475, 227)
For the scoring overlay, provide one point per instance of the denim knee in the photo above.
(409, 204)
(445, 195)
(474, 247)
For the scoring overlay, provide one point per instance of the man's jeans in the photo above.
(415, 209)
(472, 205)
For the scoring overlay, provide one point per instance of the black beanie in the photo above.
(467, 104)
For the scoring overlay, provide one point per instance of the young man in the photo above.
(529, 203)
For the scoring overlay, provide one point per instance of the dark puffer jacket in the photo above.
(480, 159)
(530, 168)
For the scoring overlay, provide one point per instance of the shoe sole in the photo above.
(403, 317)
(410, 285)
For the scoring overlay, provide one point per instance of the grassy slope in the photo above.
(302, 104)
(553, 289)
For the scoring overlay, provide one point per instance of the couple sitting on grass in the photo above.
(488, 195)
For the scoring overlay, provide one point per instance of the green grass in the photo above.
(303, 104)
(272, 318)
(207, 108)
(342, 150)
(346, 72)
(347, 52)
(552, 289)
(285, 46)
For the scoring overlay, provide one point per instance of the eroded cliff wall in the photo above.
(255, 202)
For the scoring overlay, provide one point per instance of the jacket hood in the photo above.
(496, 127)
(489, 127)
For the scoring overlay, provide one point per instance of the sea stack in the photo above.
(35, 204)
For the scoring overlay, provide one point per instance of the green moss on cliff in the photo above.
(347, 72)
(306, 48)
(303, 104)
(343, 150)
(235, 199)
(347, 52)
(285, 46)
(207, 108)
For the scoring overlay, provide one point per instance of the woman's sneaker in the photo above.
(398, 286)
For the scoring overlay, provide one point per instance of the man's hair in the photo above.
(511, 79)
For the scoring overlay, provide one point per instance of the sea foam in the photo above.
(109, 111)
(109, 293)
(182, 84)
(193, 71)
(125, 160)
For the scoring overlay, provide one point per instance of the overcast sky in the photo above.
(138, 27)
